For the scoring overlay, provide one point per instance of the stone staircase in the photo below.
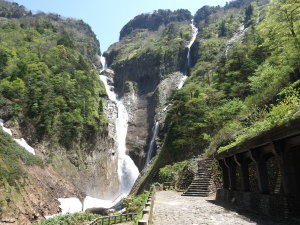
(202, 182)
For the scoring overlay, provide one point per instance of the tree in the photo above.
(281, 29)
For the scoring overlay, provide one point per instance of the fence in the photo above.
(108, 220)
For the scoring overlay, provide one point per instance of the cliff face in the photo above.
(144, 60)
(51, 95)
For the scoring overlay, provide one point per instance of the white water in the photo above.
(103, 63)
(20, 141)
(182, 81)
(194, 35)
(90, 203)
(6, 130)
(188, 57)
(127, 170)
(70, 205)
(152, 142)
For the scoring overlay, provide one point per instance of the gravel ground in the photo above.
(170, 208)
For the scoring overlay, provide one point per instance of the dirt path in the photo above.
(170, 208)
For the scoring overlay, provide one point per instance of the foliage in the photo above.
(280, 114)
(135, 204)
(12, 156)
(161, 49)
(12, 10)
(170, 173)
(238, 87)
(47, 77)
(70, 219)
(153, 21)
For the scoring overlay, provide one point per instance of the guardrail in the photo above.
(148, 209)
(108, 220)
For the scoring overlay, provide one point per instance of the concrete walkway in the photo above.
(170, 208)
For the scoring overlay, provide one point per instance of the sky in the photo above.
(107, 17)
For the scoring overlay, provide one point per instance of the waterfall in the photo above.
(103, 63)
(127, 170)
(151, 146)
(194, 35)
(188, 57)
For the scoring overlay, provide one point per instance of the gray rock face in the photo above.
(144, 106)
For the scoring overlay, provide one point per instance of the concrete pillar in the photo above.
(285, 165)
(245, 176)
(262, 176)
(244, 172)
(261, 171)
(231, 165)
(225, 176)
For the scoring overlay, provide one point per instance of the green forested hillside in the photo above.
(48, 80)
(237, 89)
(49, 93)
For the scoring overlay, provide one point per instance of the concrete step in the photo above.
(197, 192)
(196, 195)
(199, 185)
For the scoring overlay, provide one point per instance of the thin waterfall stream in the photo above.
(155, 129)
(188, 57)
(152, 142)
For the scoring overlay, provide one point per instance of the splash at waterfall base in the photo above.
(121, 110)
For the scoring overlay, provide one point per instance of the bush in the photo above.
(69, 219)
(170, 173)
(135, 204)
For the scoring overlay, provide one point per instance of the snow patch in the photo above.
(70, 205)
(94, 203)
(21, 141)
(25, 145)
(6, 130)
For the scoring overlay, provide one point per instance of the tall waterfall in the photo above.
(155, 129)
(194, 35)
(152, 142)
(188, 57)
(127, 170)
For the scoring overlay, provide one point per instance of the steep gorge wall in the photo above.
(139, 71)
(51, 95)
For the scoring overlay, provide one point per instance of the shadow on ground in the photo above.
(256, 217)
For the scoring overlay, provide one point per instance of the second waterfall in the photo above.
(127, 170)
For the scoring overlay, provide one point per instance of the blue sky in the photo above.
(107, 17)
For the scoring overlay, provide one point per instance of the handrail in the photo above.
(108, 220)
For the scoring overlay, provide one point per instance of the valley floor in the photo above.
(172, 208)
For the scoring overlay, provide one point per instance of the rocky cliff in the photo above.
(148, 63)
(51, 95)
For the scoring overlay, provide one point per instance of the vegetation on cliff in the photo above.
(154, 47)
(240, 85)
(12, 176)
(152, 21)
(48, 80)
